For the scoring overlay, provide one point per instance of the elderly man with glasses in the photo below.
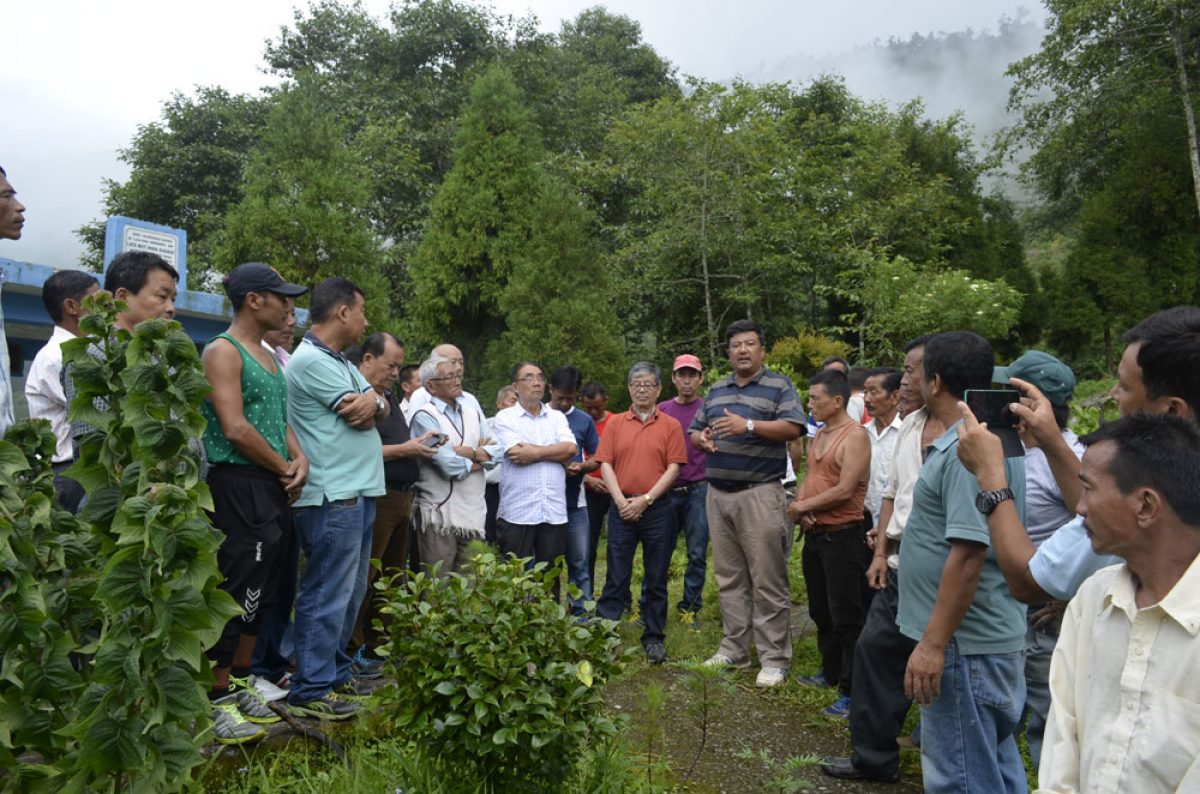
(640, 455)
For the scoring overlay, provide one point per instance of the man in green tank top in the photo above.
(257, 470)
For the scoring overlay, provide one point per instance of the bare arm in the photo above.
(960, 579)
(855, 459)
(223, 369)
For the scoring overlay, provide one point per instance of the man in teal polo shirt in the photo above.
(967, 672)
(332, 410)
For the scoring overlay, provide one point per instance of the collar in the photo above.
(947, 439)
(444, 406)
(635, 418)
(569, 411)
(1182, 604)
(61, 333)
(316, 342)
(757, 377)
(896, 424)
(543, 411)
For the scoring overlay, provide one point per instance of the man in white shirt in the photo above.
(63, 295)
(882, 397)
(536, 441)
(1125, 708)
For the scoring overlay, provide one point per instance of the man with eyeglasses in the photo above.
(640, 455)
(744, 426)
(531, 521)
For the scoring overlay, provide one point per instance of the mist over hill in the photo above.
(960, 71)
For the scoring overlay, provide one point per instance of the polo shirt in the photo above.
(1066, 559)
(343, 462)
(748, 457)
(684, 414)
(536, 492)
(640, 452)
(943, 509)
(1045, 510)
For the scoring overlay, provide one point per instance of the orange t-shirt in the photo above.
(640, 452)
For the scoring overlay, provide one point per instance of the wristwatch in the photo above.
(649, 499)
(987, 501)
(379, 405)
(750, 426)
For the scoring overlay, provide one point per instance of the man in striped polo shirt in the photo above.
(744, 426)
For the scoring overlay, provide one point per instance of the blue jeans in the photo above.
(691, 518)
(336, 539)
(578, 532)
(1039, 647)
(968, 735)
(654, 531)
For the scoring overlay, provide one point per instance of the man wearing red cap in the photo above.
(690, 490)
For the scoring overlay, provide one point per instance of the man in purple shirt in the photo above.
(690, 490)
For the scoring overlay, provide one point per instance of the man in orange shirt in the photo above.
(640, 454)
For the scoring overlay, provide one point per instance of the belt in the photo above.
(729, 486)
(826, 529)
(687, 486)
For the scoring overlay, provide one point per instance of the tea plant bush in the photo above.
(491, 674)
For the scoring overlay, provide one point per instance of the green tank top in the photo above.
(264, 404)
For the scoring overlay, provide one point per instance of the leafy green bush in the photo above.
(105, 618)
(804, 352)
(492, 674)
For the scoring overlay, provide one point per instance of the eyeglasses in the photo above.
(643, 386)
(532, 379)
(448, 377)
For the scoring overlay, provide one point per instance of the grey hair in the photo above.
(645, 368)
(429, 368)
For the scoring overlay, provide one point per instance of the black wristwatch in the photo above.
(987, 501)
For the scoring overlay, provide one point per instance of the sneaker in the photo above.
(354, 689)
(817, 681)
(656, 653)
(363, 666)
(230, 727)
(770, 676)
(265, 689)
(250, 704)
(331, 706)
(721, 660)
(840, 707)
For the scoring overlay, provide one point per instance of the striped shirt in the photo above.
(748, 457)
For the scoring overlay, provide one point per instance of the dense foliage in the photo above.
(510, 686)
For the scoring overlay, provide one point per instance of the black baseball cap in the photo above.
(257, 277)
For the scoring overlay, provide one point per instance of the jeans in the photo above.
(834, 574)
(336, 539)
(1039, 647)
(691, 517)
(598, 504)
(968, 735)
(654, 531)
(578, 531)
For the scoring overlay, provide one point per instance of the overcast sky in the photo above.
(81, 76)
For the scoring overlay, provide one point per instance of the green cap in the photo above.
(1054, 378)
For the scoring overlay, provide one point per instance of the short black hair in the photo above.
(407, 370)
(65, 285)
(889, 378)
(1170, 354)
(836, 383)
(512, 372)
(376, 343)
(742, 327)
(1156, 451)
(593, 390)
(566, 378)
(919, 341)
(131, 270)
(330, 295)
(836, 360)
(963, 359)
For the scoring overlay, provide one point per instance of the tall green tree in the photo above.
(304, 206)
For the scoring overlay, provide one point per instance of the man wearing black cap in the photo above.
(257, 469)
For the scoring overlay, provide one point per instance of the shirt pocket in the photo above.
(1169, 741)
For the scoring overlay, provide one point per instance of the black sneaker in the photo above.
(331, 706)
(656, 653)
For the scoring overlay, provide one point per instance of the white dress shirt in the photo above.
(902, 476)
(883, 447)
(536, 492)
(44, 392)
(1125, 690)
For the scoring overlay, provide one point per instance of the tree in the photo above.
(303, 210)
(185, 171)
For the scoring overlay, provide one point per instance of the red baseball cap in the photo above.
(687, 361)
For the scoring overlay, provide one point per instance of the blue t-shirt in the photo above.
(944, 509)
(343, 462)
(586, 440)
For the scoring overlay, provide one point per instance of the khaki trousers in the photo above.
(751, 541)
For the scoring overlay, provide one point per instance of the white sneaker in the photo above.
(721, 660)
(266, 689)
(770, 676)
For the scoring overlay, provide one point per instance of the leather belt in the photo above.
(826, 529)
(728, 486)
(686, 486)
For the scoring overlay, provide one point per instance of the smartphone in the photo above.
(436, 440)
(992, 406)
